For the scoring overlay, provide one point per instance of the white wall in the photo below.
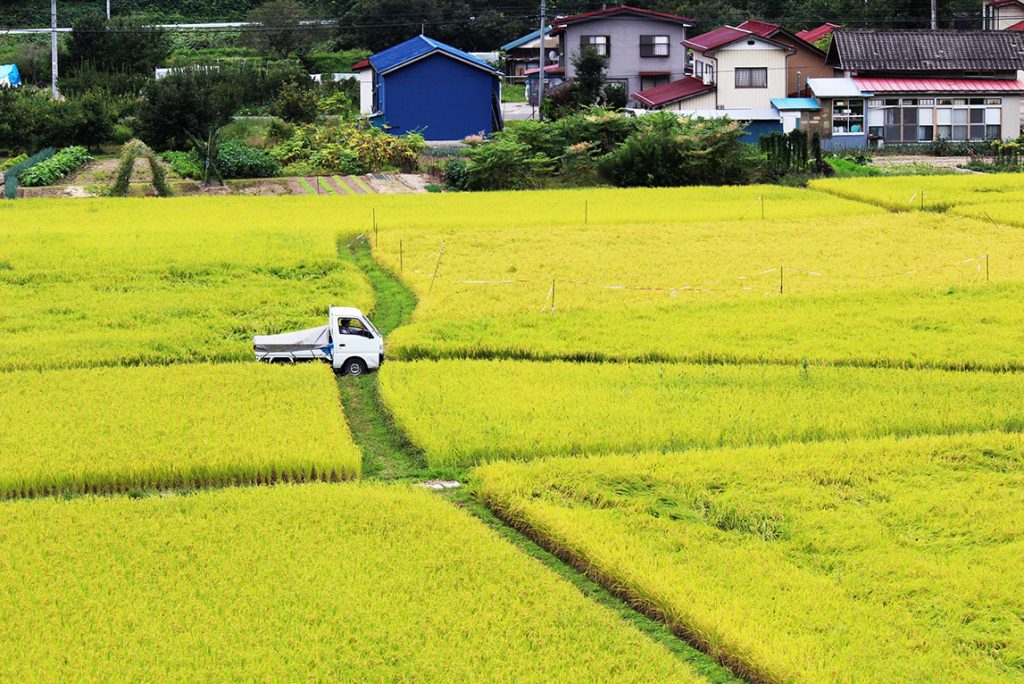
(705, 101)
(1011, 117)
(366, 91)
(739, 55)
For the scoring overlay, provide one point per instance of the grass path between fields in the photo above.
(389, 455)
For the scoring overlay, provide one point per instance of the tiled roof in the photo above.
(682, 89)
(815, 34)
(620, 10)
(549, 69)
(413, 49)
(923, 50)
(938, 85)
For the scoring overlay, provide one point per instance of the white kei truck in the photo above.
(349, 342)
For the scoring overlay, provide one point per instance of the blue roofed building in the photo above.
(424, 86)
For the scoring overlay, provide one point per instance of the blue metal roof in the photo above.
(796, 104)
(533, 35)
(397, 56)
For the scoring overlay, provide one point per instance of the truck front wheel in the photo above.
(354, 367)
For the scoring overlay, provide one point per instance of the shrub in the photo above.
(504, 165)
(30, 119)
(615, 96)
(456, 175)
(236, 159)
(669, 150)
(297, 104)
(51, 170)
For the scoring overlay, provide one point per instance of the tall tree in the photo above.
(118, 45)
(281, 30)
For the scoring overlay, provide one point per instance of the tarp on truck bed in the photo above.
(310, 340)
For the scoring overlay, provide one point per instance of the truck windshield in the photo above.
(371, 327)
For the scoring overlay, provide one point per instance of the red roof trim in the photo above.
(1000, 3)
(762, 28)
(937, 85)
(550, 69)
(620, 9)
(815, 34)
(1019, 26)
(720, 37)
(675, 91)
(361, 64)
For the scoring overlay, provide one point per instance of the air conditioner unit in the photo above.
(707, 78)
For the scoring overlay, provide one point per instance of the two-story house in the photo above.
(900, 87)
(732, 68)
(642, 46)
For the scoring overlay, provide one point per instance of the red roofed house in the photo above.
(642, 46)
(806, 61)
(1004, 15)
(815, 34)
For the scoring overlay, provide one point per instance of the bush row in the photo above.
(49, 171)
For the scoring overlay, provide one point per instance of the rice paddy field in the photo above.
(370, 582)
(779, 426)
(858, 561)
(467, 412)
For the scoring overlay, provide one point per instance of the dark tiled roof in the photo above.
(926, 51)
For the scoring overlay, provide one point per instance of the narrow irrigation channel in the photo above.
(389, 455)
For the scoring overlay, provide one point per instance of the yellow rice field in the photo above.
(892, 561)
(313, 582)
(119, 429)
(928, 193)
(467, 412)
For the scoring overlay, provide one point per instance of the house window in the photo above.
(848, 116)
(654, 46)
(752, 77)
(602, 44)
(925, 120)
(698, 69)
(652, 81)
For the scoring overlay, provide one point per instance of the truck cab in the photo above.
(356, 346)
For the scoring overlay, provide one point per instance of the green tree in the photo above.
(282, 31)
(589, 78)
(126, 45)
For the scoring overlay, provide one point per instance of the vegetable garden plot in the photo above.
(312, 582)
(118, 429)
(467, 412)
(864, 561)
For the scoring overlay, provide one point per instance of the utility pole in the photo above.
(108, 10)
(53, 48)
(935, 15)
(543, 57)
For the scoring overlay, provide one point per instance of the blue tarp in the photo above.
(9, 75)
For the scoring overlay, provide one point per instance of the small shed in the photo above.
(9, 76)
(427, 87)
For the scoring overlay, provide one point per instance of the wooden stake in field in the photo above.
(762, 207)
(552, 295)
(782, 273)
(986, 268)
(437, 266)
